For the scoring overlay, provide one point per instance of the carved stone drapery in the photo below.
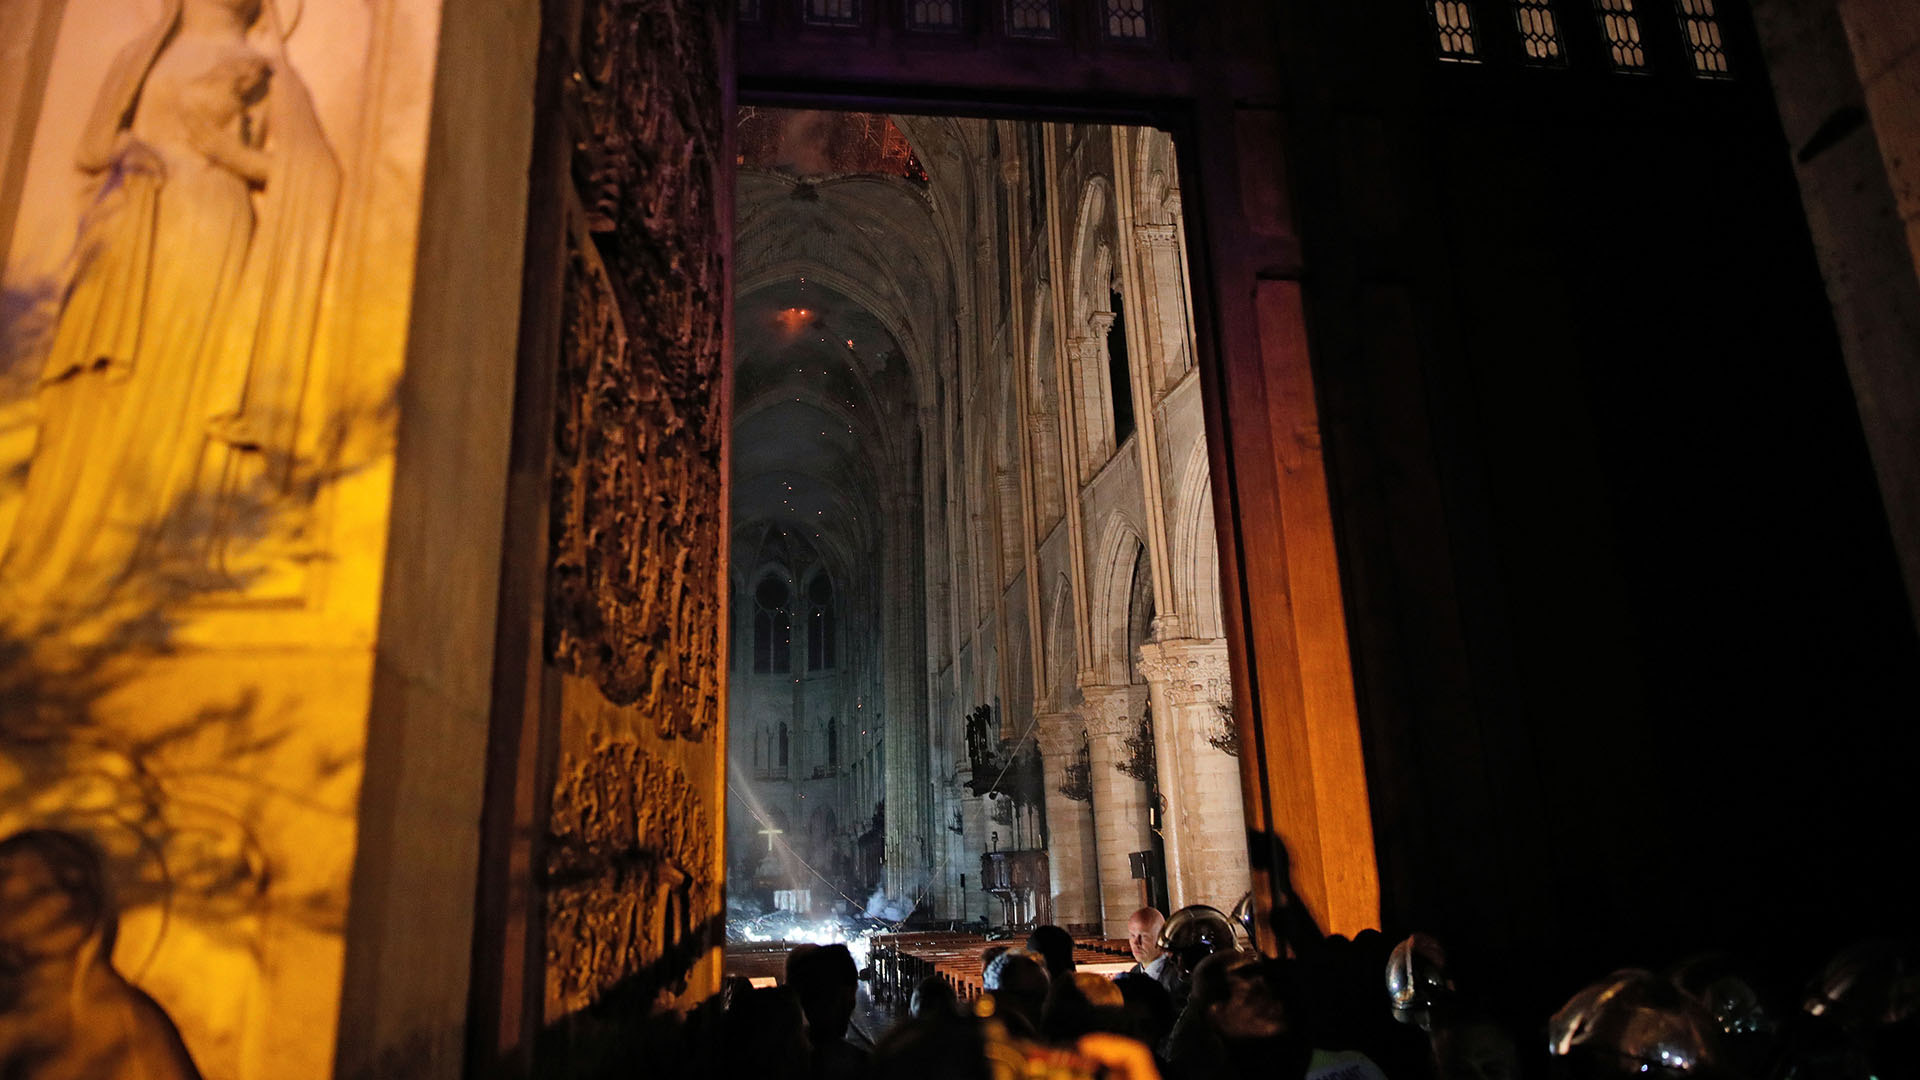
(637, 484)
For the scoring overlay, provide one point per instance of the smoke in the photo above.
(803, 143)
(893, 909)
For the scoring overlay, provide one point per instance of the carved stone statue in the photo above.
(64, 1011)
(179, 358)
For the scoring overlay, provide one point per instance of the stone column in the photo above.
(1073, 871)
(909, 791)
(1204, 825)
(1091, 394)
(975, 824)
(1163, 287)
(1049, 493)
(1120, 825)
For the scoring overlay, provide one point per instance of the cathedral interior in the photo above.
(515, 516)
(973, 613)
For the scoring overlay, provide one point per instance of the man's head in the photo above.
(1143, 935)
(933, 998)
(1242, 995)
(53, 897)
(1017, 979)
(824, 978)
(1082, 1003)
(1056, 945)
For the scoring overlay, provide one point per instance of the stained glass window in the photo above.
(820, 625)
(772, 628)
(1621, 27)
(1126, 20)
(831, 12)
(936, 16)
(1454, 31)
(1700, 26)
(1539, 32)
(1033, 19)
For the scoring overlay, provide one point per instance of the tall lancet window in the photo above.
(820, 624)
(772, 628)
(833, 743)
(781, 761)
(1119, 375)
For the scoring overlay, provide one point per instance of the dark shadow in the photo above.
(627, 1031)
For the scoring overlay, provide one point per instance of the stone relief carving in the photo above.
(631, 885)
(170, 389)
(629, 852)
(633, 593)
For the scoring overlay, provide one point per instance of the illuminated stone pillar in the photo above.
(909, 790)
(1163, 285)
(1089, 385)
(1120, 814)
(1073, 870)
(1204, 825)
(975, 824)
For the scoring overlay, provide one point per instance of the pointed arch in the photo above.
(1090, 273)
(1196, 551)
(1006, 477)
(1121, 561)
(1100, 389)
(1058, 650)
(1043, 419)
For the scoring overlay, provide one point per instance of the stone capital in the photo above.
(1087, 347)
(1111, 710)
(1150, 235)
(1191, 670)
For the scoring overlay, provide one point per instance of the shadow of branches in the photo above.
(115, 722)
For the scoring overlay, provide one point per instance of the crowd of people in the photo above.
(1201, 1004)
(1198, 1004)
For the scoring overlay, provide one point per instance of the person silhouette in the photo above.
(825, 981)
(64, 1010)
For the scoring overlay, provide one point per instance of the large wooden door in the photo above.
(601, 893)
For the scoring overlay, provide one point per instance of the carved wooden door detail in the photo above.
(605, 881)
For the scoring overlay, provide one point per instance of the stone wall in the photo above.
(206, 659)
(1130, 557)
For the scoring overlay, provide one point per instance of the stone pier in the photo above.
(1204, 827)
(1120, 821)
